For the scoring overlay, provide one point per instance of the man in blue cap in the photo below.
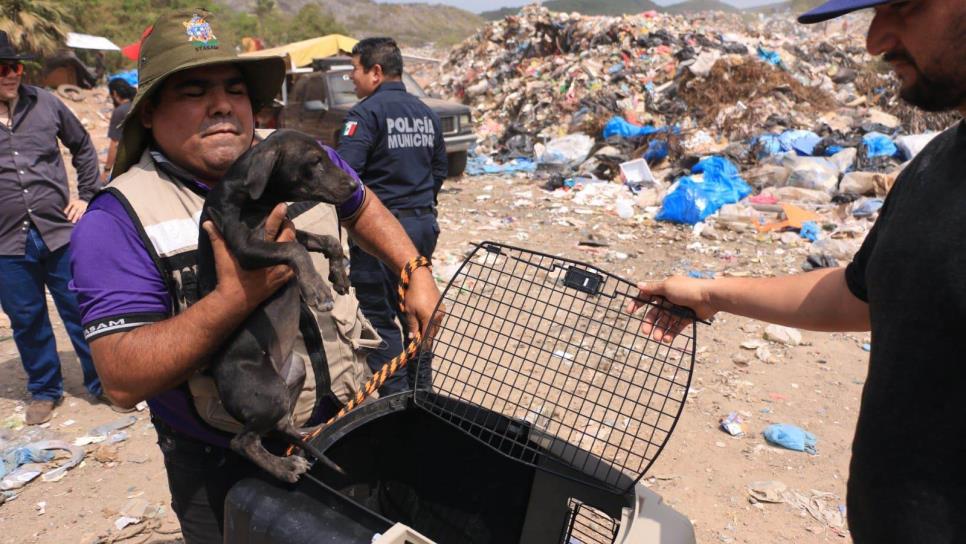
(921, 39)
(907, 478)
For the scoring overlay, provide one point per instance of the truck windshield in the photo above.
(344, 92)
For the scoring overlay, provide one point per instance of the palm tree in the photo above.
(35, 26)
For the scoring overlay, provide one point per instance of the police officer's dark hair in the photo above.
(381, 51)
(122, 88)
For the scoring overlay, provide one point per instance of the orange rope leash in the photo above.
(390, 368)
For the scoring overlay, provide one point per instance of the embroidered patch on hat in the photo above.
(350, 128)
(199, 31)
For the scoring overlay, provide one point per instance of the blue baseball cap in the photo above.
(836, 8)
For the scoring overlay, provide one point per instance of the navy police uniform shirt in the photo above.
(395, 142)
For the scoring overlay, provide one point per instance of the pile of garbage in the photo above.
(539, 75)
(756, 125)
(27, 455)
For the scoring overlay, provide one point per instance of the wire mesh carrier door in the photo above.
(587, 525)
(538, 358)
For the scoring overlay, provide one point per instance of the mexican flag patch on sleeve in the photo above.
(350, 128)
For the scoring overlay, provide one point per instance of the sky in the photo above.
(477, 6)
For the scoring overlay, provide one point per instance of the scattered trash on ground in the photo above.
(110, 432)
(23, 464)
(731, 424)
(767, 491)
(825, 508)
(752, 126)
(783, 335)
(790, 437)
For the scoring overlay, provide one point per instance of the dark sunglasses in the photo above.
(7, 69)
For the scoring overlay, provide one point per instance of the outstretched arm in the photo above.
(818, 300)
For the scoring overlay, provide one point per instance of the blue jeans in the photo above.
(375, 286)
(22, 281)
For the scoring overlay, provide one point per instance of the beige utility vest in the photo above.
(166, 214)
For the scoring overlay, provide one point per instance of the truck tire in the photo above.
(70, 92)
(457, 163)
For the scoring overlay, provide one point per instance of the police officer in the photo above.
(395, 143)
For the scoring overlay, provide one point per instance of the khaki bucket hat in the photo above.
(178, 41)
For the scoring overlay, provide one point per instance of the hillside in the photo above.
(586, 7)
(411, 24)
(778, 7)
(692, 6)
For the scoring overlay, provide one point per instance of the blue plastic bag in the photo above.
(11, 459)
(771, 57)
(717, 167)
(656, 150)
(618, 126)
(879, 145)
(810, 231)
(768, 145)
(802, 142)
(832, 150)
(692, 201)
(791, 437)
(478, 165)
(688, 203)
(867, 206)
(129, 76)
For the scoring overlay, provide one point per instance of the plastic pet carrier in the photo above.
(546, 406)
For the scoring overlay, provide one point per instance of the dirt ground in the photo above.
(703, 472)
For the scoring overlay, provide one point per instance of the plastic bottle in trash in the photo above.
(625, 208)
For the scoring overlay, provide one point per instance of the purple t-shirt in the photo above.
(119, 288)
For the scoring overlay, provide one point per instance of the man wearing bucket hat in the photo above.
(135, 268)
(907, 478)
(36, 219)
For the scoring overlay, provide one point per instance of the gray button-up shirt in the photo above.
(33, 181)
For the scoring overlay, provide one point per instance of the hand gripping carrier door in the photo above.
(545, 406)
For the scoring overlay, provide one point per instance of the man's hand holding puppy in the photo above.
(251, 287)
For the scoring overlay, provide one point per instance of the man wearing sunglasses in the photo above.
(36, 219)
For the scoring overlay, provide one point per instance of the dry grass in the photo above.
(748, 82)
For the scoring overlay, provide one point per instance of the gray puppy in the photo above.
(257, 375)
